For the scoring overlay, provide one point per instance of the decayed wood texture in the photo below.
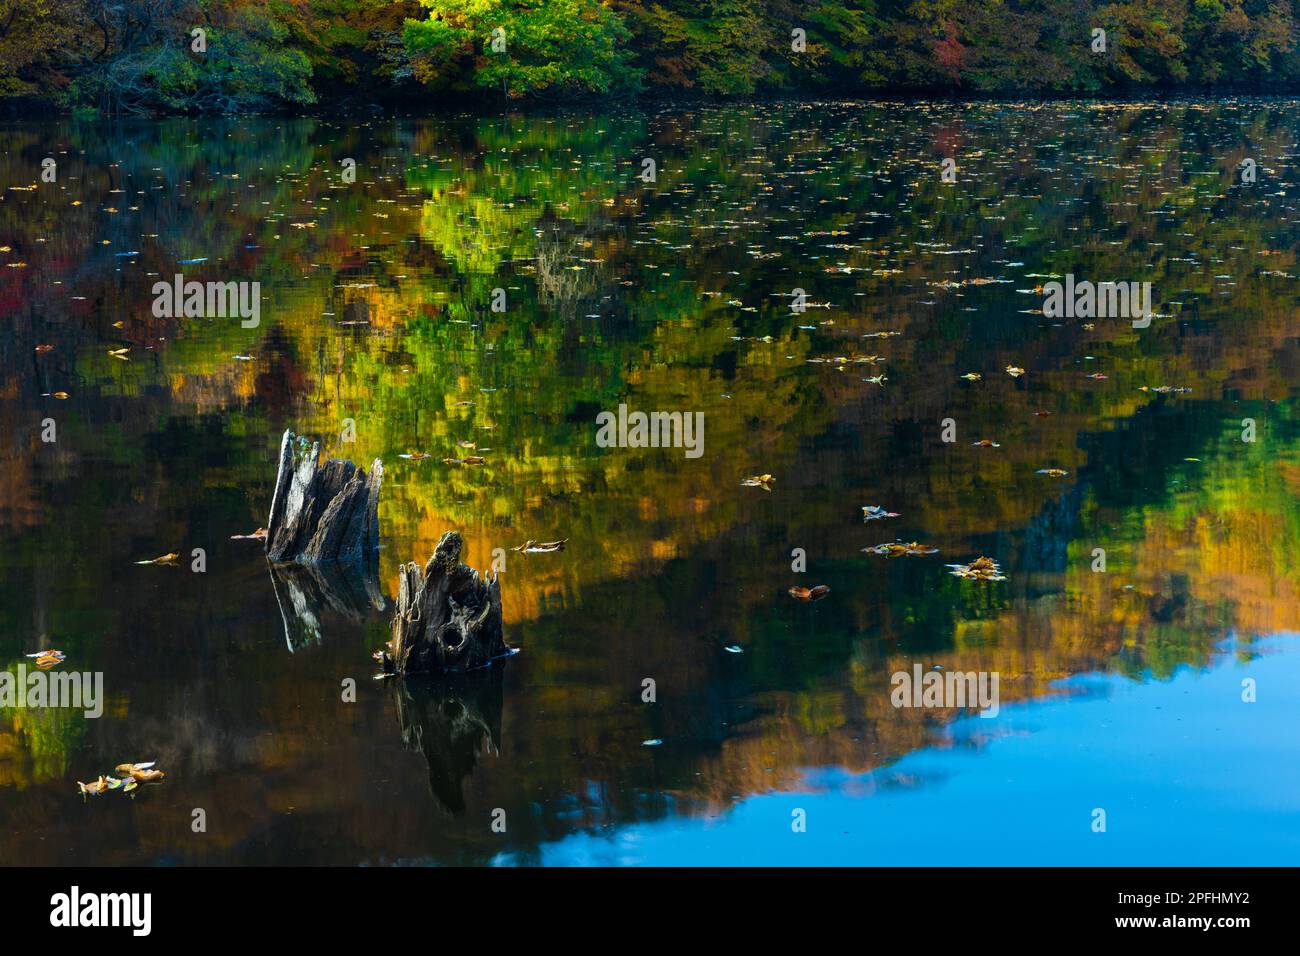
(323, 512)
(448, 618)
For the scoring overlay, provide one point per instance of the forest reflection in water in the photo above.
(673, 295)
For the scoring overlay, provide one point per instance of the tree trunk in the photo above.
(448, 618)
(323, 513)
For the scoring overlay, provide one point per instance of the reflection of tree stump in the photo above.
(322, 513)
(451, 721)
(448, 618)
(305, 592)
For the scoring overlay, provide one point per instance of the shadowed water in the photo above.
(673, 295)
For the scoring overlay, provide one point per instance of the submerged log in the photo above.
(448, 618)
(323, 513)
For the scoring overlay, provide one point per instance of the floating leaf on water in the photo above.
(810, 594)
(758, 481)
(128, 767)
(894, 549)
(876, 513)
(981, 569)
(165, 559)
(985, 443)
(734, 649)
(652, 742)
(416, 455)
(540, 547)
(972, 376)
(876, 380)
(129, 786)
(1014, 371)
(95, 787)
(44, 348)
(55, 653)
(1052, 472)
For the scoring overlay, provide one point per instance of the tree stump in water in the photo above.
(323, 513)
(448, 618)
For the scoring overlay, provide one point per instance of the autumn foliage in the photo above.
(144, 56)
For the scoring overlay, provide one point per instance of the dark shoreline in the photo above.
(406, 108)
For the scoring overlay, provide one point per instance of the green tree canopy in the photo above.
(560, 46)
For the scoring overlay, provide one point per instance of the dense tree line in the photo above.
(144, 56)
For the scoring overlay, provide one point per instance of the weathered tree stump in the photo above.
(448, 618)
(323, 513)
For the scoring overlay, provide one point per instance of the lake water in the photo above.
(1121, 689)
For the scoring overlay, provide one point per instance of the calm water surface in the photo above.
(1120, 690)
